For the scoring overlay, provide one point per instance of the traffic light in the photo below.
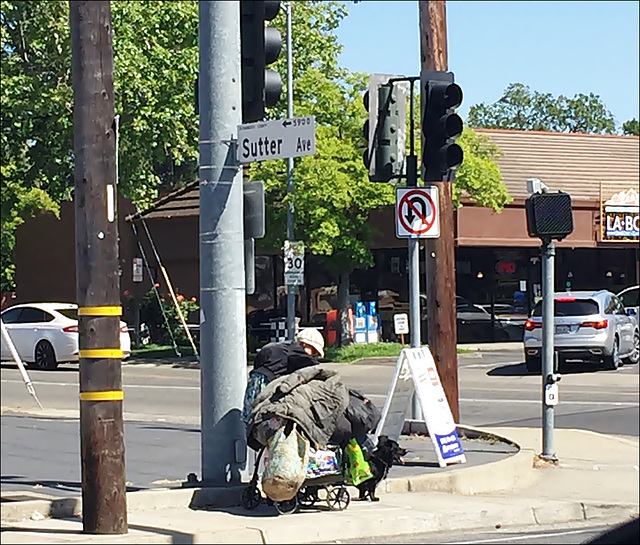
(441, 125)
(549, 215)
(260, 46)
(385, 129)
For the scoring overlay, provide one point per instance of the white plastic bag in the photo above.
(286, 469)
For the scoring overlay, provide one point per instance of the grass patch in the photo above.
(352, 352)
(345, 354)
(160, 351)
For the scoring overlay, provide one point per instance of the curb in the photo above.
(513, 471)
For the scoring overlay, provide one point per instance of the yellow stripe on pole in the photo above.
(105, 395)
(100, 311)
(101, 353)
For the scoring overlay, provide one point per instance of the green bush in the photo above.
(151, 315)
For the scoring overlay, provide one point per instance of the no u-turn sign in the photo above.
(417, 212)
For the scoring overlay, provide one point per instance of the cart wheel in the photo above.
(308, 496)
(286, 507)
(338, 498)
(251, 497)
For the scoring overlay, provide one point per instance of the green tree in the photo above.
(155, 58)
(631, 127)
(520, 108)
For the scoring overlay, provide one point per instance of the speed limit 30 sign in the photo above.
(293, 263)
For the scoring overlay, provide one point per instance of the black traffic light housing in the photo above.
(441, 125)
(385, 130)
(260, 46)
(549, 215)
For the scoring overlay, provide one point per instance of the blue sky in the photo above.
(562, 48)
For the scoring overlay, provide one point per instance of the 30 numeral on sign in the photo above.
(293, 263)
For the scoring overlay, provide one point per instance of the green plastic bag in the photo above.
(358, 469)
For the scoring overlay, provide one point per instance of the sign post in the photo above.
(401, 325)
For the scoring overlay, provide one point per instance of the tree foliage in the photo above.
(155, 67)
(520, 108)
(631, 127)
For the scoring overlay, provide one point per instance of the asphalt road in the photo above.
(495, 390)
(552, 535)
(162, 408)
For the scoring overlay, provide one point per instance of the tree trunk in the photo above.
(344, 335)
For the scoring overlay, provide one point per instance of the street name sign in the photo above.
(293, 137)
(416, 369)
(417, 212)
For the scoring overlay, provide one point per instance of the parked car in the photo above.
(474, 323)
(46, 334)
(588, 326)
(629, 298)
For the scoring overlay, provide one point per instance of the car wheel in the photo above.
(613, 360)
(45, 356)
(635, 352)
(534, 364)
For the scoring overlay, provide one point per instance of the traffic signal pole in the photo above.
(104, 501)
(440, 252)
(223, 348)
(291, 293)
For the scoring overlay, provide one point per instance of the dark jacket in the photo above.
(313, 398)
(279, 359)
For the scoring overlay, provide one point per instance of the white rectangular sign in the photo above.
(264, 140)
(293, 263)
(418, 364)
(401, 324)
(417, 212)
(137, 269)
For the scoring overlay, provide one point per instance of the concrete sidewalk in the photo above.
(596, 479)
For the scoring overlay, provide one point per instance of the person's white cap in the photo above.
(313, 338)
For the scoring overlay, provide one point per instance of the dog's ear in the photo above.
(382, 439)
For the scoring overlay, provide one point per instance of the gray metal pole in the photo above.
(223, 349)
(291, 296)
(414, 256)
(548, 296)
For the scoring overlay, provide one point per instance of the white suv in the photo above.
(588, 326)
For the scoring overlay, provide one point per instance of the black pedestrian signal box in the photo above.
(549, 215)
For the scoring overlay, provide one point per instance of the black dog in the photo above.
(381, 459)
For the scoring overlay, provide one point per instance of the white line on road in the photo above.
(126, 386)
(465, 399)
(474, 400)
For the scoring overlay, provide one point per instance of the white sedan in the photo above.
(46, 334)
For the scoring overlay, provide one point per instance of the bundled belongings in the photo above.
(360, 418)
(313, 397)
(297, 413)
(323, 462)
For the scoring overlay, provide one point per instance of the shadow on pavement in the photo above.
(177, 537)
(43, 484)
(31, 369)
(520, 369)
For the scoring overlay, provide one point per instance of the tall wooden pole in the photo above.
(104, 507)
(440, 258)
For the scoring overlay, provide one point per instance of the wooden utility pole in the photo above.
(104, 507)
(440, 256)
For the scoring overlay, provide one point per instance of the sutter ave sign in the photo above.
(264, 140)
